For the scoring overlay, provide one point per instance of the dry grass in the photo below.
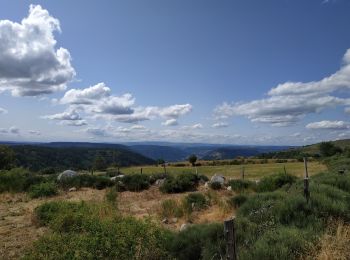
(335, 244)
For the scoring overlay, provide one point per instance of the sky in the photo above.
(273, 72)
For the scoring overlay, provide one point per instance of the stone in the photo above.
(165, 221)
(184, 226)
(218, 178)
(174, 220)
(229, 188)
(72, 189)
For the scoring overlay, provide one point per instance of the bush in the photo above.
(18, 180)
(86, 180)
(215, 185)
(80, 233)
(48, 170)
(195, 201)
(203, 178)
(47, 189)
(240, 185)
(157, 176)
(180, 183)
(274, 182)
(237, 200)
(204, 241)
(136, 182)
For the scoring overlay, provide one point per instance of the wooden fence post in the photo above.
(242, 172)
(229, 232)
(306, 182)
(141, 170)
(284, 168)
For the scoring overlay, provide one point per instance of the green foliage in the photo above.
(79, 233)
(180, 183)
(44, 189)
(136, 182)
(215, 185)
(18, 180)
(99, 163)
(48, 170)
(86, 180)
(111, 196)
(241, 185)
(7, 157)
(195, 201)
(203, 178)
(328, 149)
(192, 159)
(238, 200)
(199, 242)
(281, 243)
(37, 158)
(274, 182)
(157, 176)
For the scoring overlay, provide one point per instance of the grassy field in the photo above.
(252, 171)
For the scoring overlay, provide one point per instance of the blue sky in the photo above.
(240, 72)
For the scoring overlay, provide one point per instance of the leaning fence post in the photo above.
(306, 182)
(230, 236)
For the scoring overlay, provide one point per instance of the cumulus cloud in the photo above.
(3, 111)
(170, 122)
(98, 102)
(289, 102)
(220, 125)
(329, 125)
(30, 63)
(71, 115)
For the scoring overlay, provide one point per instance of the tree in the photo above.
(7, 157)
(99, 163)
(329, 149)
(192, 159)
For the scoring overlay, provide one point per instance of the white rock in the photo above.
(218, 178)
(184, 226)
(72, 189)
(229, 188)
(206, 185)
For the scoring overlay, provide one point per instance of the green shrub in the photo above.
(157, 176)
(238, 200)
(282, 243)
(180, 183)
(45, 189)
(136, 182)
(240, 185)
(195, 201)
(203, 178)
(80, 233)
(215, 185)
(48, 170)
(171, 208)
(18, 180)
(199, 242)
(86, 180)
(274, 182)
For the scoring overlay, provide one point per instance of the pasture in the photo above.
(251, 171)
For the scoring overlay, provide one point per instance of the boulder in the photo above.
(218, 178)
(72, 189)
(67, 174)
(160, 182)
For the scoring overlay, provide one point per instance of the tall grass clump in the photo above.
(136, 182)
(86, 180)
(241, 185)
(171, 208)
(274, 182)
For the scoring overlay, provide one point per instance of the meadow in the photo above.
(251, 171)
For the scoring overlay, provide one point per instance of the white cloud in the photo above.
(329, 125)
(71, 115)
(30, 63)
(175, 111)
(87, 95)
(170, 122)
(14, 130)
(3, 111)
(220, 125)
(193, 127)
(34, 132)
(289, 102)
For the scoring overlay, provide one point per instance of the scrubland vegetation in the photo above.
(273, 218)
